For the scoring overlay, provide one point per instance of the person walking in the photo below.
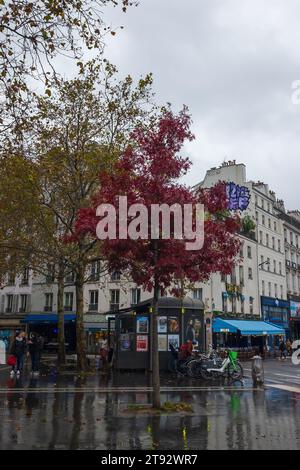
(18, 349)
(34, 351)
(282, 349)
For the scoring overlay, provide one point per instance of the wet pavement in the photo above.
(64, 412)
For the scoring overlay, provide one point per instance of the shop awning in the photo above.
(246, 327)
(47, 318)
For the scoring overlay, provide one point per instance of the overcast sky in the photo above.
(232, 62)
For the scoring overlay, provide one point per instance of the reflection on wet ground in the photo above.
(68, 413)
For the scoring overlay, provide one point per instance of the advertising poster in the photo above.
(142, 343)
(142, 325)
(192, 330)
(173, 323)
(125, 342)
(162, 342)
(162, 325)
(295, 309)
(174, 340)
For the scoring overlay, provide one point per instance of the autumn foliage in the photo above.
(148, 172)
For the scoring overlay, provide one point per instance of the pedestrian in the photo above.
(34, 351)
(18, 349)
(289, 347)
(282, 349)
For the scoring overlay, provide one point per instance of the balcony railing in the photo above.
(8, 310)
(48, 308)
(93, 307)
(114, 307)
(68, 308)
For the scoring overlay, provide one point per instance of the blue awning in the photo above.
(47, 318)
(246, 327)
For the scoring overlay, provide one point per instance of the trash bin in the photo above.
(257, 371)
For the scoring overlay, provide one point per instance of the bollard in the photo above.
(257, 371)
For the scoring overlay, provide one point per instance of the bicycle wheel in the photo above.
(235, 372)
(205, 374)
(172, 364)
(195, 369)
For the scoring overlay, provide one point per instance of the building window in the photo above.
(11, 279)
(68, 307)
(70, 277)
(249, 252)
(261, 262)
(9, 303)
(241, 275)
(115, 276)
(274, 266)
(114, 299)
(273, 243)
(250, 273)
(233, 276)
(280, 267)
(25, 277)
(270, 289)
(224, 304)
(223, 277)
(197, 294)
(269, 223)
(242, 251)
(94, 298)
(135, 296)
(48, 302)
(279, 246)
(256, 217)
(275, 227)
(275, 290)
(269, 263)
(267, 239)
(242, 305)
(263, 219)
(23, 306)
(251, 305)
(95, 271)
(263, 287)
(263, 204)
(281, 291)
(50, 276)
(260, 237)
(233, 304)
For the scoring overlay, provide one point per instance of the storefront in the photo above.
(46, 326)
(295, 318)
(178, 321)
(244, 333)
(98, 327)
(9, 328)
(276, 311)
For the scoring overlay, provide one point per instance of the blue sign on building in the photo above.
(238, 197)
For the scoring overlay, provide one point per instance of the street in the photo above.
(65, 412)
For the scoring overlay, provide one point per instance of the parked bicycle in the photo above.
(230, 367)
(178, 364)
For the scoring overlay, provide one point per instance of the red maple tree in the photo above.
(148, 173)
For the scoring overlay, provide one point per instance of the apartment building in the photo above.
(15, 302)
(291, 224)
(265, 283)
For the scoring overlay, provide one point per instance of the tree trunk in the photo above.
(154, 349)
(61, 355)
(80, 334)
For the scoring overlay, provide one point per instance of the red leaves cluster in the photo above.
(148, 173)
